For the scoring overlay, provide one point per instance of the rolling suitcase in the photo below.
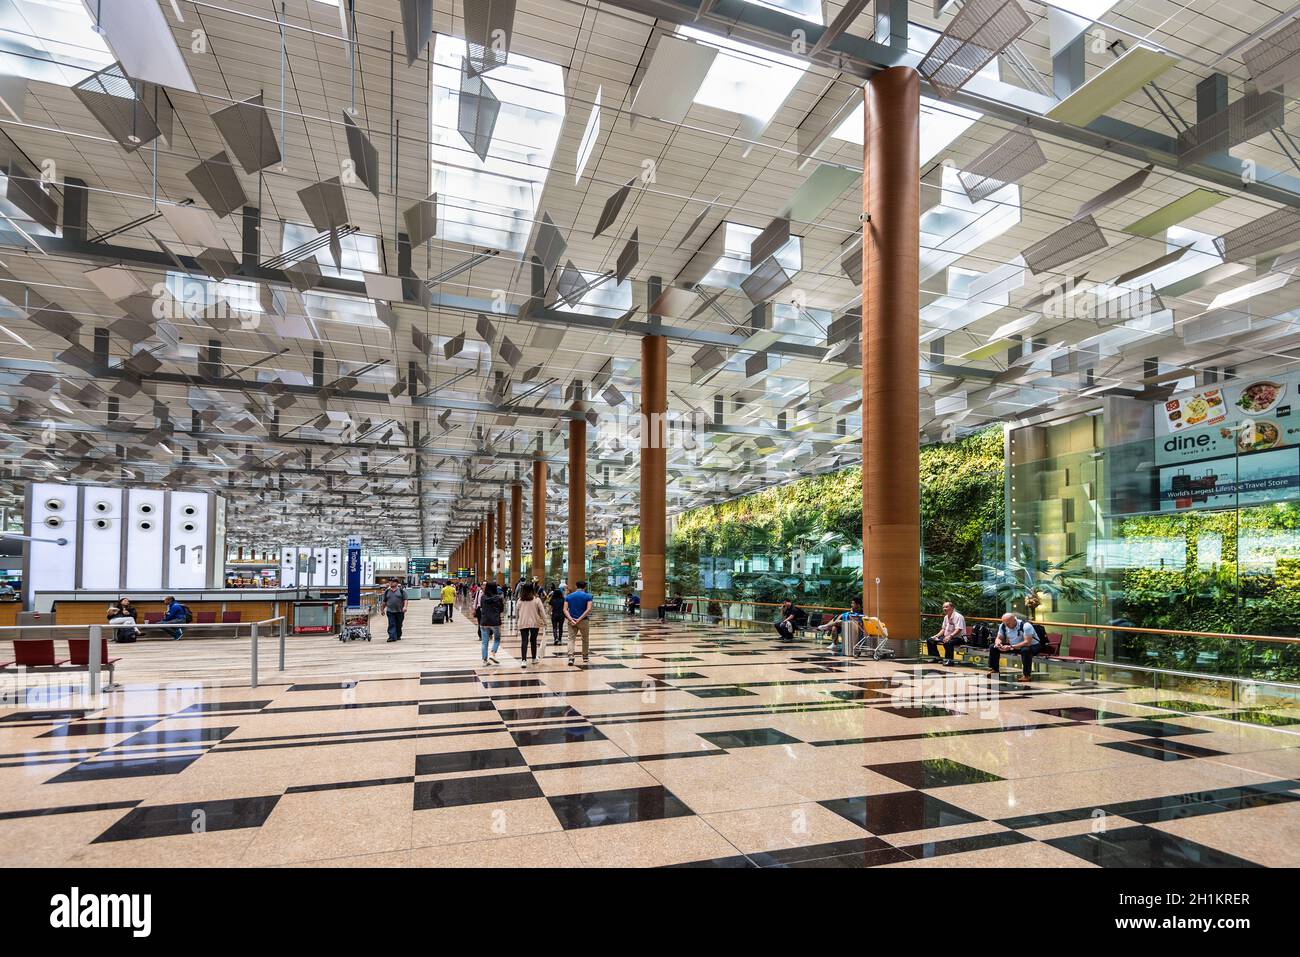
(439, 616)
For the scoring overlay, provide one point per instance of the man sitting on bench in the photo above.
(838, 625)
(952, 632)
(673, 604)
(1018, 637)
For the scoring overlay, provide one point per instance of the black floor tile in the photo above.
(532, 737)
(211, 707)
(732, 692)
(483, 789)
(787, 856)
(961, 845)
(532, 714)
(748, 738)
(671, 658)
(898, 812)
(167, 820)
(858, 694)
(179, 736)
(876, 858)
(1161, 749)
(644, 684)
(919, 711)
(450, 680)
(42, 716)
(739, 860)
(457, 707)
(621, 806)
(674, 674)
(78, 728)
(1080, 714)
(103, 769)
(741, 654)
(1154, 729)
(477, 760)
(1144, 846)
(933, 773)
(67, 809)
(326, 686)
(512, 683)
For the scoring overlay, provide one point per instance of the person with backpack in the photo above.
(532, 618)
(393, 602)
(1018, 637)
(490, 608)
(178, 613)
(557, 614)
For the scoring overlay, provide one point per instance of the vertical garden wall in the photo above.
(804, 539)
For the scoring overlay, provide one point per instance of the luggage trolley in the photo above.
(872, 640)
(356, 624)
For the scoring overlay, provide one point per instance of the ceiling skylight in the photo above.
(491, 203)
(941, 124)
(50, 40)
(810, 10)
(608, 298)
(360, 252)
(733, 265)
(745, 79)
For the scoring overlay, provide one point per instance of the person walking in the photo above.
(393, 601)
(448, 598)
(577, 609)
(557, 613)
(490, 608)
(532, 619)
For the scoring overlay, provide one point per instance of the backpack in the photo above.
(187, 616)
(980, 636)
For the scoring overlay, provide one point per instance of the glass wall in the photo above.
(1189, 527)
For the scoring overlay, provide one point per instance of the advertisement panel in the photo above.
(1229, 444)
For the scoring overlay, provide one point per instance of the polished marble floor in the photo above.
(677, 744)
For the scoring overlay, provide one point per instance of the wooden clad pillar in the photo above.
(516, 532)
(891, 353)
(654, 469)
(499, 555)
(539, 519)
(577, 500)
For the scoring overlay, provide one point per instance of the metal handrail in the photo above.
(95, 634)
(1134, 629)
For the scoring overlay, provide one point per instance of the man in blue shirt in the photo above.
(1018, 637)
(577, 609)
(175, 612)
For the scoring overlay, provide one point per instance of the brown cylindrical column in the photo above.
(516, 532)
(577, 501)
(499, 556)
(654, 468)
(489, 547)
(891, 352)
(539, 520)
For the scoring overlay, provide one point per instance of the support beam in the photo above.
(654, 469)
(489, 548)
(891, 352)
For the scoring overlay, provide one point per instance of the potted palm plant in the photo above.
(1028, 578)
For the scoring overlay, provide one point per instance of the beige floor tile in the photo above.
(782, 826)
(551, 849)
(482, 822)
(649, 843)
(335, 823)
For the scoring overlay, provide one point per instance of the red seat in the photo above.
(36, 653)
(231, 617)
(79, 650)
(205, 617)
(1082, 648)
(153, 617)
(1053, 643)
